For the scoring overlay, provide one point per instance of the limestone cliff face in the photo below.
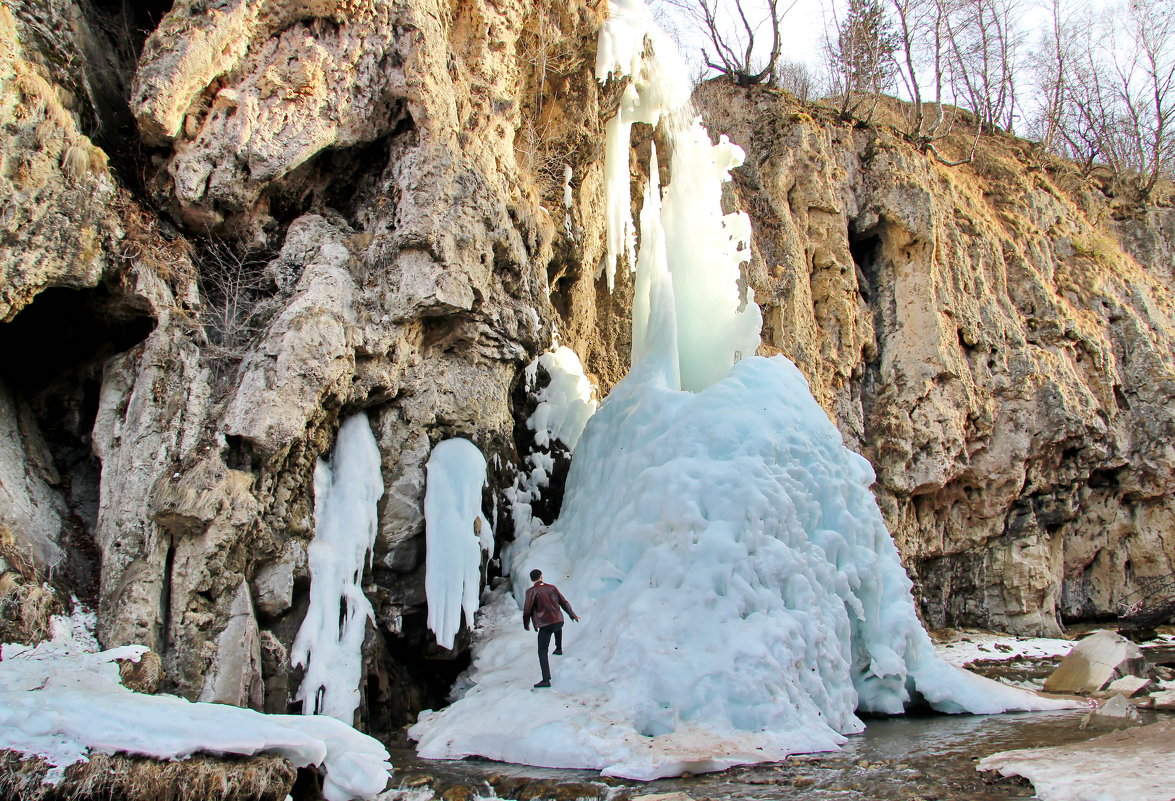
(219, 240)
(360, 208)
(997, 339)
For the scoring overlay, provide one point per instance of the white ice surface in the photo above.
(60, 701)
(330, 640)
(456, 533)
(564, 404)
(1131, 765)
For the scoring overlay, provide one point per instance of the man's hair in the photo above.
(536, 574)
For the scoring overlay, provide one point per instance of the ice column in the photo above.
(717, 322)
(329, 643)
(456, 533)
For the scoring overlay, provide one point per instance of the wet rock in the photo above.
(1095, 662)
(663, 797)
(1114, 713)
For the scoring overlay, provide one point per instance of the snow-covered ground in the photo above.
(1129, 765)
(60, 700)
(969, 645)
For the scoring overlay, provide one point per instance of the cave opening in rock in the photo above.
(865, 249)
(51, 359)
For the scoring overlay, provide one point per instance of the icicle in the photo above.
(329, 643)
(456, 533)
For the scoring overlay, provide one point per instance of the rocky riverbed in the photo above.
(928, 757)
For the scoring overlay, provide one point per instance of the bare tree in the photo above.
(985, 46)
(797, 78)
(861, 58)
(735, 33)
(921, 64)
(1144, 80)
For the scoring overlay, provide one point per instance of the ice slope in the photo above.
(740, 595)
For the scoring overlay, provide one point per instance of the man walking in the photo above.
(542, 607)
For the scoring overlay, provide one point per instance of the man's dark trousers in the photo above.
(545, 633)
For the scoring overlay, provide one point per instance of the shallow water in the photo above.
(907, 758)
(896, 759)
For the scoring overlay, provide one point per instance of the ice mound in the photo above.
(740, 596)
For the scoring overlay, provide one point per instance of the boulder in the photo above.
(1113, 713)
(1130, 686)
(1095, 662)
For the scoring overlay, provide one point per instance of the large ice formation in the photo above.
(330, 640)
(61, 699)
(564, 405)
(741, 597)
(455, 533)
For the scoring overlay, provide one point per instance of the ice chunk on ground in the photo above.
(1131, 765)
(330, 640)
(59, 702)
(456, 533)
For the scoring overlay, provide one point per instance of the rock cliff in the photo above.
(996, 337)
(227, 224)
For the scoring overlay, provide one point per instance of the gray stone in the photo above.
(1114, 712)
(1095, 662)
(234, 677)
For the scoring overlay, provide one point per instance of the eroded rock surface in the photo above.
(987, 341)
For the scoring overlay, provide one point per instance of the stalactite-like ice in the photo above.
(456, 533)
(740, 595)
(565, 403)
(330, 640)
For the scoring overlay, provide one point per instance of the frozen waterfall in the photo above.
(740, 595)
(455, 533)
(329, 642)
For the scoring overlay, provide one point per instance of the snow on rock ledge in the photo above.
(60, 701)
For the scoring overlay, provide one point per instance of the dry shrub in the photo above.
(75, 161)
(107, 777)
(26, 603)
(145, 244)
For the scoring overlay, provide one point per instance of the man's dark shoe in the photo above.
(558, 652)
(543, 683)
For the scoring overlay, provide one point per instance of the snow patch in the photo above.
(330, 640)
(60, 700)
(972, 645)
(456, 533)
